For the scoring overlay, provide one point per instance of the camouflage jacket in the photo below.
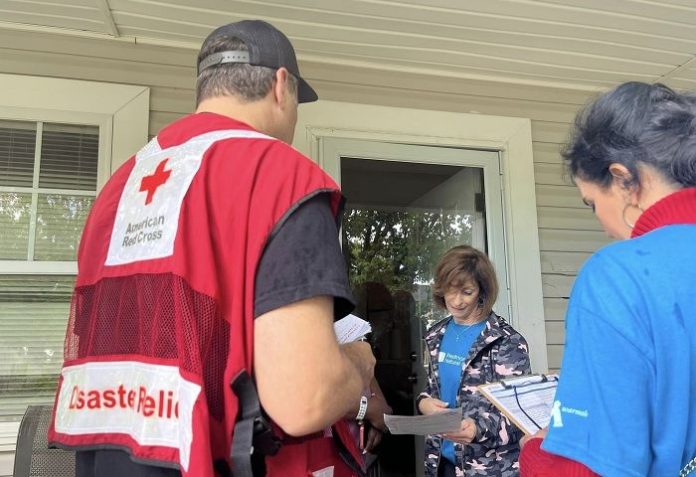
(497, 353)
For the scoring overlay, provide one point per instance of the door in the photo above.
(406, 205)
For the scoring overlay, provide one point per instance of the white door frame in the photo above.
(512, 137)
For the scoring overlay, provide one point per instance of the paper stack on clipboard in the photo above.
(527, 400)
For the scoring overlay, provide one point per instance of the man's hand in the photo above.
(360, 354)
(374, 437)
(300, 336)
(539, 434)
(466, 433)
(431, 406)
(377, 407)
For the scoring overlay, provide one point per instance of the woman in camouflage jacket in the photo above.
(487, 444)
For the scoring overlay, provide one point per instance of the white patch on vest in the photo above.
(151, 403)
(147, 218)
(325, 472)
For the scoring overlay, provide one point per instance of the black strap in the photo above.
(253, 437)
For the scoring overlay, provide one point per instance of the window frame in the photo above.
(104, 123)
(122, 114)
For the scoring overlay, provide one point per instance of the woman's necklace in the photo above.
(460, 330)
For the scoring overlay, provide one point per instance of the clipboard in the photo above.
(528, 401)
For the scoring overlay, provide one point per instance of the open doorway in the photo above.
(407, 205)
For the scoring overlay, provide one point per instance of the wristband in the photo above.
(363, 408)
(418, 401)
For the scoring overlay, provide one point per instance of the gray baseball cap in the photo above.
(267, 46)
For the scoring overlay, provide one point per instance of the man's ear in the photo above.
(280, 86)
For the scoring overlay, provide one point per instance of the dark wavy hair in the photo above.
(633, 124)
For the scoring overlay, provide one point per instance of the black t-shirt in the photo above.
(302, 260)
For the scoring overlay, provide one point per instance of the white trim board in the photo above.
(124, 109)
(512, 137)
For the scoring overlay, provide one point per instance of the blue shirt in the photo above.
(628, 377)
(454, 351)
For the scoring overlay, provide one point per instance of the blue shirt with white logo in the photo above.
(625, 402)
(454, 350)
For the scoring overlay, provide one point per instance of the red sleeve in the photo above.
(535, 462)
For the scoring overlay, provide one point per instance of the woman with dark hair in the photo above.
(627, 393)
(471, 346)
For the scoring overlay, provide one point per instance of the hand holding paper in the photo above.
(465, 434)
(430, 405)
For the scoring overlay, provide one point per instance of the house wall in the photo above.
(568, 232)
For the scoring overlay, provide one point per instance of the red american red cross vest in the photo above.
(162, 313)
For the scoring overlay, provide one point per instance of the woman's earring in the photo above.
(623, 215)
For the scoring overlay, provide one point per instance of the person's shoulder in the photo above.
(611, 285)
(288, 152)
(628, 250)
(437, 326)
(619, 260)
(275, 149)
(506, 329)
(620, 253)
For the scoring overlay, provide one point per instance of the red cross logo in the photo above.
(152, 183)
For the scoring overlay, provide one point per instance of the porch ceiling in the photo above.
(577, 44)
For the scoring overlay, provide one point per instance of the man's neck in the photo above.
(253, 113)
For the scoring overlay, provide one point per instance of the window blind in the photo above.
(68, 157)
(33, 315)
(17, 143)
(43, 208)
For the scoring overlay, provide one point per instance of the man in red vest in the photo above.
(210, 269)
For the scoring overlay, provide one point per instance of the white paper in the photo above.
(351, 328)
(534, 396)
(325, 472)
(437, 423)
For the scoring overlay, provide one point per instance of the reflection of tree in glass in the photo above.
(59, 223)
(401, 248)
(14, 207)
(15, 213)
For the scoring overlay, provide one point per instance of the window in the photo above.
(59, 142)
(48, 181)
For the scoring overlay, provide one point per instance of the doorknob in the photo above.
(412, 378)
(413, 356)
